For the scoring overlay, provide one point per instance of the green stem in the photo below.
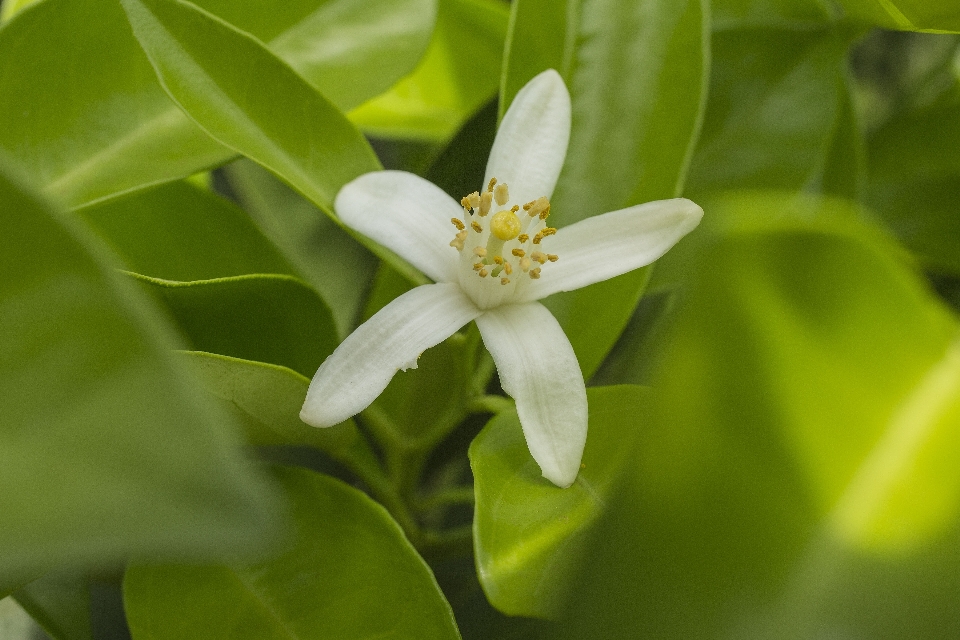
(490, 404)
(446, 497)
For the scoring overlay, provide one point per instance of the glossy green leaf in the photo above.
(530, 536)
(267, 318)
(181, 232)
(209, 67)
(124, 132)
(775, 102)
(939, 16)
(266, 400)
(346, 572)
(458, 74)
(60, 603)
(798, 475)
(88, 388)
(632, 132)
(335, 264)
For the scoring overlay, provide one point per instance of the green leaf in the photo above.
(267, 318)
(266, 400)
(458, 74)
(346, 572)
(797, 14)
(633, 133)
(88, 387)
(60, 603)
(124, 132)
(181, 232)
(938, 16)
(335, 264)
(799, 464)
(776, 98)
(209, 67)
(530, 536)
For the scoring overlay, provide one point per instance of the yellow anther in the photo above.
(501, 194)
(498, 259)
(545, 213)
(515, 208)
(505, 225)
(477, 266)
(539, 257)
(519, 253)
(482, 273)
(508, 268)
(527, 206)
(486, 201)
(535, 273)
(522, 238)
(476, 226)
(479, 252)
(491, 184)
(525, 264)
(457, 223)
(474, 200)
(504, 280)
(552, 257)
(537, 207)
(543, 233)
(465, 203)
(457, 242)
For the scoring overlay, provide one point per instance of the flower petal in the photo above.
(406, 214)
(532, 139)
(539, 370)
(605, 246)
(362, 366)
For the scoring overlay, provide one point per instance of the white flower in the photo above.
(502, 259)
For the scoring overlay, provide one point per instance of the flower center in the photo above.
(506, 243)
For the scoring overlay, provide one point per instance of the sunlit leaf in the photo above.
(346, 572)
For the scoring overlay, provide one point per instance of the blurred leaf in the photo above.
(530, 535)
(180, 232)
(632, 134)
(775, 102)
(914, 162)
(459, 72)
(84, 135)
(60, 603)
(798, 475)
(99, 421)
(347, 572)
(742, 14)
(459, 168)
(938, 16)
(266, 400)
(266, 318)
(9, 7)
(335, 264)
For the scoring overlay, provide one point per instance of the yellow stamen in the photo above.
(525, 263)
(519, 253)
(508, 268)
(491, 184)
(545, 213)
(465, 203)
(501, 194)
(457, 223)
(477, 266)
(498, 259)
(535, 273)
(476, 227)
(504, 280)
(539, 257)
(479, 252)
(505, 225)
(543, 233)
(474, 200)
(522, 238)
(457, 242)
(552, 257)
(482, 273)
(486, 201)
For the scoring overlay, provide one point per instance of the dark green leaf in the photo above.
(906, 15)
(335, 264)
(181, 232)
(530, 535)
(61, 604)
(107, 449)
(267, 318)
(347, 572)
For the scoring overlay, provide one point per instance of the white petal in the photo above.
(539, 370)
(605, 246)
(362, 366)
(408, 215)
(532, 139)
